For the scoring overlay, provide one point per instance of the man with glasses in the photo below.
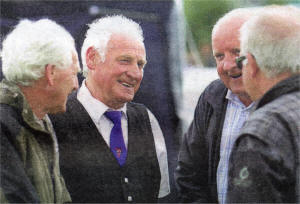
(201, 174)
(264, 164)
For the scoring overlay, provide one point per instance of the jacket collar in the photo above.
(11, 95)
(216, 94)
(289, 85)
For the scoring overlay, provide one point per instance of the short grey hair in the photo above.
(238, 13)
(31, 46)
(101, 30)
(273, 37)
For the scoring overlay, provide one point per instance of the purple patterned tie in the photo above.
(117, 145)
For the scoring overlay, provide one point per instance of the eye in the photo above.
(141, 65)
(236, 52)
(219, 56)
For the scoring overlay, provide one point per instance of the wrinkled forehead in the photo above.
(121, 40)
(230, 26)
(126, 44)
(228, 31)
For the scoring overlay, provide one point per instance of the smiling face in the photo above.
(116, 80)
(226, 47)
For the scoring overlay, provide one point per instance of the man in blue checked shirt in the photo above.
(202, 171)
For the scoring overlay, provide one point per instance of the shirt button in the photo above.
(129, 198)
(126, 180)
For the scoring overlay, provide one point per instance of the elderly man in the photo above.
(40, 67)
(264, 165)
(112, 150)
(201, 174)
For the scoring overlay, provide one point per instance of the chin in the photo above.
(59, 109)
(126, 97)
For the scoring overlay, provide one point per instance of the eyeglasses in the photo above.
(239, 61)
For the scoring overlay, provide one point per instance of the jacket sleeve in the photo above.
(191, 173)
(15, 185)
(262, 168)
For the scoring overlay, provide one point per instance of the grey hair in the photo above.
(239, 13)
(100, 31)
(31, 46)
(273, 37)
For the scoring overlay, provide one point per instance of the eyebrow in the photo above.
(236, 50)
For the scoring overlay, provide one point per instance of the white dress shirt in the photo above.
(96, 110)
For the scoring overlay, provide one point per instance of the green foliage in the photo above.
(201, 15)
(278, 2)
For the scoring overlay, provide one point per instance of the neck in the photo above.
(35, 99)
(264, 83)
(245, 99)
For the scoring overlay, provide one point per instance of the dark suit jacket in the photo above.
(199, 153)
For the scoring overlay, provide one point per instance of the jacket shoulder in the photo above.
(215, 88)
(214, 94)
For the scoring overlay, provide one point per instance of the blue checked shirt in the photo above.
(236, 114)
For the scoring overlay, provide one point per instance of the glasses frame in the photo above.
(239, 61)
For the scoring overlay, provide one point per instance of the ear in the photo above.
(253, 67)
(92, 58)
(49, 74)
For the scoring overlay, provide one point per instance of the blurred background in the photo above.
(178, 44)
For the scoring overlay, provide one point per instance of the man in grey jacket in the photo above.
(264, 164)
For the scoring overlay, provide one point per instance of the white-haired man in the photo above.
(112, 150)
(202, 170)
(264, 164)
(40, 67)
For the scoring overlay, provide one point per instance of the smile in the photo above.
(127, 85)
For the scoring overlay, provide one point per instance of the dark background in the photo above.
(160, 89)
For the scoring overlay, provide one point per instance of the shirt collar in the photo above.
(233, 98)
(94, 107)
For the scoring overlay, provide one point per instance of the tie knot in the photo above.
(114, 116)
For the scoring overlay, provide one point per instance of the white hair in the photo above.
(31, 46)
(273, 38)
(242, 14)
(100, 31)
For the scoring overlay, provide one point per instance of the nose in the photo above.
(76, 85)
(135, 72)
(229, 63)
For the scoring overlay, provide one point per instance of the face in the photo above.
(226, 47)
(116, 80)
(249, 81)
(65, 82)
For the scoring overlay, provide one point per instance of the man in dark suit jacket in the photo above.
(112, 150)
(202, 170)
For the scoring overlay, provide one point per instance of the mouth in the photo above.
(127, 85)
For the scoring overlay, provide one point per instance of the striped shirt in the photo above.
(236, 114)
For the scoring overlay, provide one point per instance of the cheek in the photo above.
(245, 77)
(220, 69)
(221, 73)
